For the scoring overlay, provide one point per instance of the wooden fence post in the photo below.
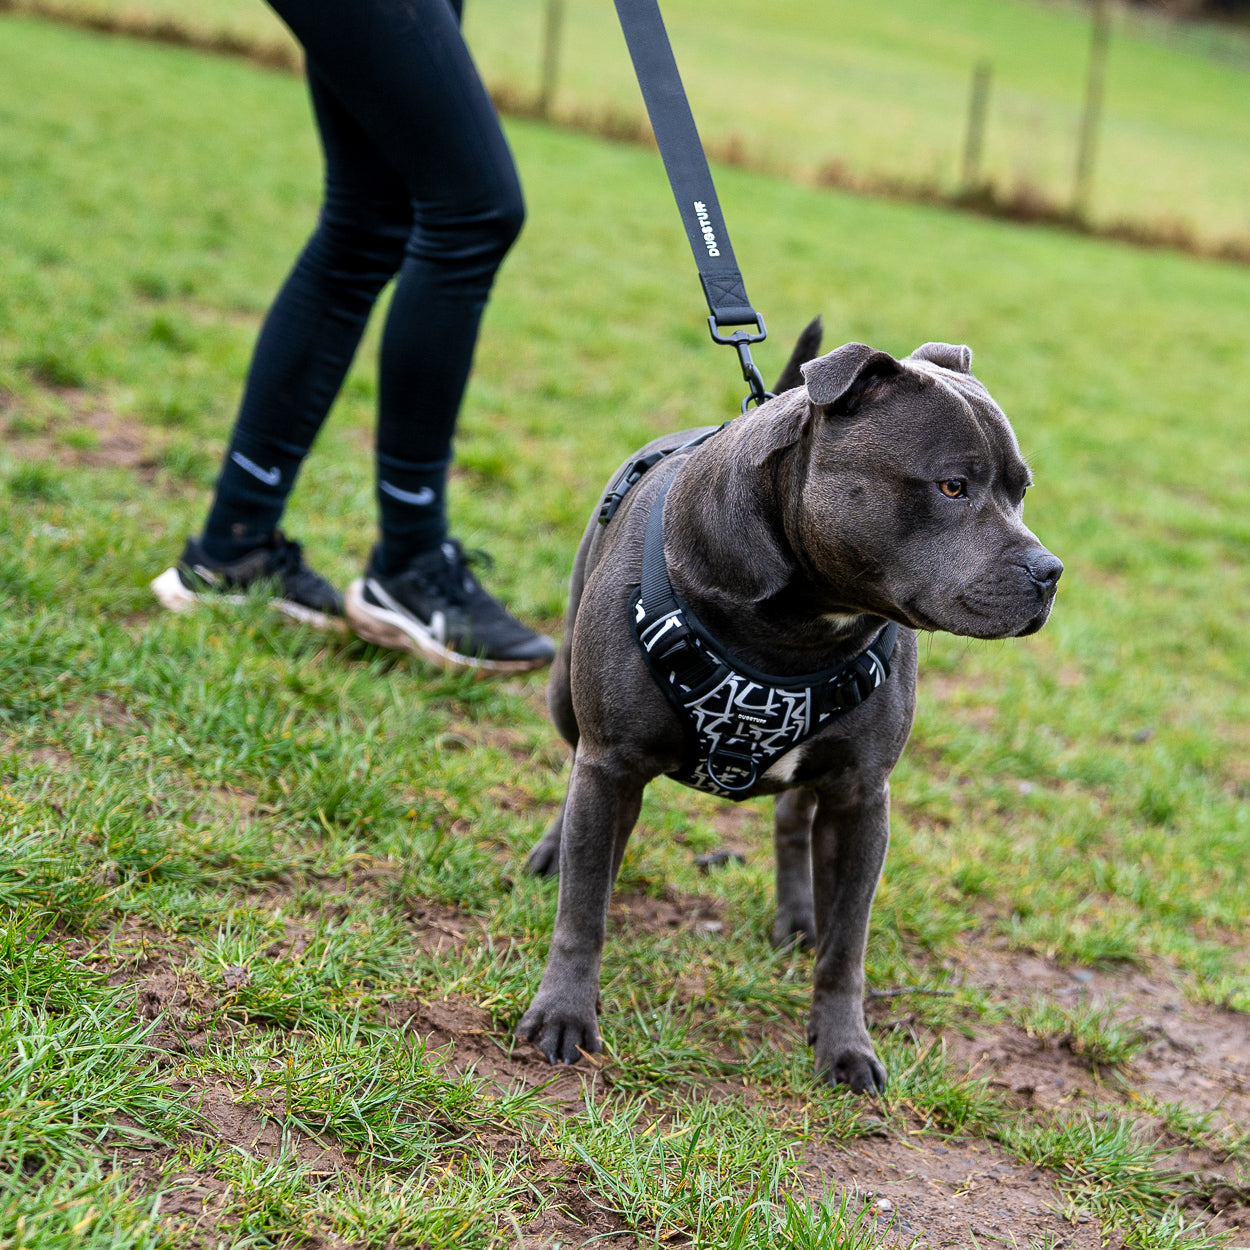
(974, 142)
(1091, 118)
(553, 30)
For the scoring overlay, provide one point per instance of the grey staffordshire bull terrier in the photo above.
(871, 490)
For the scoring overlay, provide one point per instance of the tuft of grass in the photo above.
(76, 1070)
(38, 866)
(37, 482)
(189, 462)
(1106, 1165)
(922, 1081)
(53, 368)
(1092, 1033)
(77, 1206)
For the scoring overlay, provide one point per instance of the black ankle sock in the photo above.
(252, 490)
(412, 511)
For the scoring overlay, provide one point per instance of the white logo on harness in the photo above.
(705, 224)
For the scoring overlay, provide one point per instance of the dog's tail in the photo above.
(807, 348)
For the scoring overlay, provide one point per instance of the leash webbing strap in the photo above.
(691, 180)
(684, 161)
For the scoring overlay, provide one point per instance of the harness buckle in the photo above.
(670, 644)
(630, 478)
(843, 694)
(742, 340)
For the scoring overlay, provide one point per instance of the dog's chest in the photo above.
(783, 770)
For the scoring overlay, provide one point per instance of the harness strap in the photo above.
(737, 721)
(631, 474)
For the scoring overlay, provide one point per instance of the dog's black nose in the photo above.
(1044, 569)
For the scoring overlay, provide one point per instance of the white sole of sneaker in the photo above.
(173, 595)
(401, 632)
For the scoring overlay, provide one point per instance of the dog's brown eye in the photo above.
(953, 488)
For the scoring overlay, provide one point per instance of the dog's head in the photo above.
(913, 495)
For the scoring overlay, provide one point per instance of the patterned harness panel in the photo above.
(738, 721)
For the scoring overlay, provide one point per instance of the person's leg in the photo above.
(311, 331)
(402, 70)
(399, 70)
(305, 347)
(404, 74)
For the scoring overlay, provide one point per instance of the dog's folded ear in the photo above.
(948, 355)
(845, 378)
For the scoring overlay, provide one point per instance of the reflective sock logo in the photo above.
(270, 477)
(418, 498)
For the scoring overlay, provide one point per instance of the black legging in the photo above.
(419, 183)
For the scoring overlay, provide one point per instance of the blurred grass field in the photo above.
(202, 785)
(831, 88)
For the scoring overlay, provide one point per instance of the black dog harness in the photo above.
(737, 721)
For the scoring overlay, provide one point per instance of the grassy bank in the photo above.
(872, 97)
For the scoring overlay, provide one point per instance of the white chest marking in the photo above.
(785, 768)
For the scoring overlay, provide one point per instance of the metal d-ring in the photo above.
(739, 760)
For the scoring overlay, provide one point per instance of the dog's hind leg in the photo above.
(792, 841)
(559, 695)
(544, 859)
(600, 812)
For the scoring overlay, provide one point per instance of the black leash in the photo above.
(691, 180)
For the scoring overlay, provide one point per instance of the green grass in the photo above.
(75, 1067)
(1094, 1034)
(78, 1077)
(269, 811)
(881, 90)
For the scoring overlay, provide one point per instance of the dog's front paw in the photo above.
(563, 1033)
(850, 1061)
(860, 1069)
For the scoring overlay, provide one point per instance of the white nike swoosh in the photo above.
(271, 477)
(420, 498)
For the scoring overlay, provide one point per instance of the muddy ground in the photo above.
(942, 1191)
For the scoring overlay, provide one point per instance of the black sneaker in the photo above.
(438, 609)
(300, 593)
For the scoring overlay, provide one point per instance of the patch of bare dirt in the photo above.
(53, 757)
(1195, 1055)
(671, 912)
(107, 439)
(952, 1194)
(741, 828)
(195, 1202)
